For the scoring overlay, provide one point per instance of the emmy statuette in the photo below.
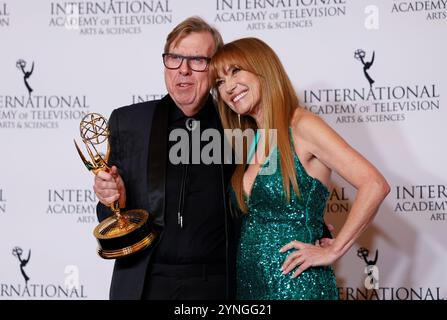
(123, 233)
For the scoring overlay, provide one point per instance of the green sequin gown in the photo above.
(271, 223)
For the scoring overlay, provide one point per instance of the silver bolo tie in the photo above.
(191, 124)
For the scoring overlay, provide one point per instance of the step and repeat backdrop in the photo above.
(374, 70)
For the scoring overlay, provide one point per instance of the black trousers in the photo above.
(185, 282)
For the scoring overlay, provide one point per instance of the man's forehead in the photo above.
(199, 43)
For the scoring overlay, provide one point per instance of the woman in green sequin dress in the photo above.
(282, 188)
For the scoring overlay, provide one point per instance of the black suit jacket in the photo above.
(138, 142)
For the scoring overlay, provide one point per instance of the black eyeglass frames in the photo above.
(196, 63)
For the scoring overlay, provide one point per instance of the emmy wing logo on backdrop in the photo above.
(123, 233)
(360, 54)
(21, 64)
(17, 252)
(70, 289)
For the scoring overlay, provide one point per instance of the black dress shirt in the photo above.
(194, 230)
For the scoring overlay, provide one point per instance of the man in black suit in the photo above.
(193, 256)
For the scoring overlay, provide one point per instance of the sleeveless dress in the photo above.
(271, 223)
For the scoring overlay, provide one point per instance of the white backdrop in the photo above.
(94, 56)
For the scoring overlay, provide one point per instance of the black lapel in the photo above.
(158, 143)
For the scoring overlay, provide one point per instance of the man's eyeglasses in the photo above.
(196, 63)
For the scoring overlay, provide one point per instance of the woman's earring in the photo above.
(239, 119)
